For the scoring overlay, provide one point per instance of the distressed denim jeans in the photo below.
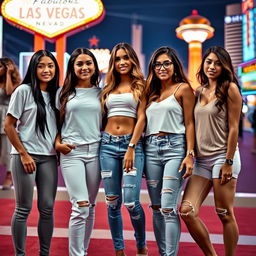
(112, 151)
(164, 155)
(81, 172)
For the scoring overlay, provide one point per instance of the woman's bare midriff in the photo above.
(120, 125)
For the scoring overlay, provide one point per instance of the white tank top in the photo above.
(122, 104)
(165, 116)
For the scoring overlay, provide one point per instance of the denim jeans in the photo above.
(164, 155)
(112, 151)
(81, 172)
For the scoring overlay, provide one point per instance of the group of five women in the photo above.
(98, 133)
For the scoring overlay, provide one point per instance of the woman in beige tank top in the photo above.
(217, 164)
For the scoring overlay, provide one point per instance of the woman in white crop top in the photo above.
(32, 128)
(217, 165)
(78, 144)
(121, 153)
(169, 144)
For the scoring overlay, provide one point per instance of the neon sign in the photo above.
(233, 19)
(248, 28)
(247, 5)
(52, 18)
(249, 68)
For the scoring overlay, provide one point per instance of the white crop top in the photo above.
(165, 116)
(122, 104)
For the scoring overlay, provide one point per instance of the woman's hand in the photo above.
(64, 148)
(28, 163)
(129, 159)
(10, 68)
(225, 173)
(188, 163)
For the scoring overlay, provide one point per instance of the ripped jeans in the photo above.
(112, 151)
(81, 172)
(164, 155)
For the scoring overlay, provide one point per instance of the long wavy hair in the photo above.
(71, 79)
(153, 83)
(113, 77)
(15, 75)
(32, 80)
(226, 77)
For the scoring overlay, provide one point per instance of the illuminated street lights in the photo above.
(194, 29)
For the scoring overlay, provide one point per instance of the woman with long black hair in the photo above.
(31, 128)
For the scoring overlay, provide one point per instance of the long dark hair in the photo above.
(153, 83)
(32, 80)
(71, 79)
(226, 77)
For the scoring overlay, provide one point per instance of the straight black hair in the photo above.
(32, 80)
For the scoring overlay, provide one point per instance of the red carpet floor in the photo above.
(103, 246)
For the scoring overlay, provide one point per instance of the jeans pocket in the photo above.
(177, 142)
(104, 141)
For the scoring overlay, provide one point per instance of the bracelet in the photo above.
(191, 153)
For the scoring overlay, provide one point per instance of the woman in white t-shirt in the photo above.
(31, 128)
(78, 143)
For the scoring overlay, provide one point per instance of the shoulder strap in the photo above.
(177, 88)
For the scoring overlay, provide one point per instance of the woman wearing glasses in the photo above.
(169, 143)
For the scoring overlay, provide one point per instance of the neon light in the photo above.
(233, 19)
(52, 18)
(247, 5)
(249, 68)
(249, 43)
(248, 77)
(248, 92)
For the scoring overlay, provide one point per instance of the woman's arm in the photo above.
(9, 85)
(137, 132)
(234, 105)
(62, 147)
(9, 127)
(188, 103)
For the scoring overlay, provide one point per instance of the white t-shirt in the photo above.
(23, 107)
(83, 117)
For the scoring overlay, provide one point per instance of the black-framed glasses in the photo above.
(165, 64)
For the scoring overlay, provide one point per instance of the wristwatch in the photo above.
(191, 153)
(131, 145)
(229, 161)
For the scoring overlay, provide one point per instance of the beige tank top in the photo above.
(211, 127)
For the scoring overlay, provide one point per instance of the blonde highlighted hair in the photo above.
(113, 77)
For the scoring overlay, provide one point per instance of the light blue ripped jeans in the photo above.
(81, 172)
(112, 151)
(164, 155)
